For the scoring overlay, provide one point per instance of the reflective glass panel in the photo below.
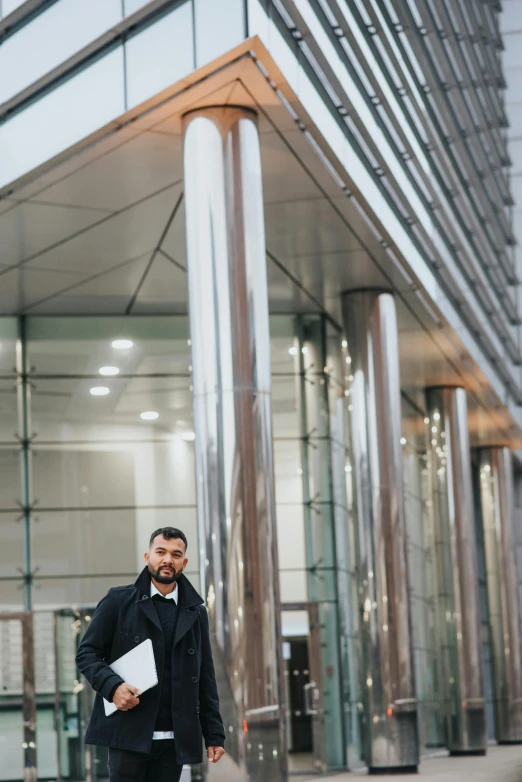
(160, 55)
(219, 27)
(109, 466)
(8, 333)
(423, 588)
(133, 5)
(67, 542)
(51, 38)
(8, 6)
(63, 117)
(115, 475)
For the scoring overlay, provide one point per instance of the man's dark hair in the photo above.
(168, 533)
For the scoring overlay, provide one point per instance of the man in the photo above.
(153, 734)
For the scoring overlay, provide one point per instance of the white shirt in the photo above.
(164, 734)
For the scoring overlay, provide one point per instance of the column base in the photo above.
(393, 770)
(467, 753)
(509, 742)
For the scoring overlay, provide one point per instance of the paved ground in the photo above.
(502, 764)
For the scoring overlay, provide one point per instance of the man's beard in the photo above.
(165, 576)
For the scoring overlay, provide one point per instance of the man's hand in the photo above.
(214, 754)
(125, 697)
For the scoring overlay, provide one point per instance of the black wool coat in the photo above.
(126, 616)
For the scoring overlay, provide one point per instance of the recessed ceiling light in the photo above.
(109, 371)
(188, 436)
(100, 391)
(149, 415)
(122, 344)
(292, 351)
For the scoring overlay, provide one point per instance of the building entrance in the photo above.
(44, 707)
(304, 692)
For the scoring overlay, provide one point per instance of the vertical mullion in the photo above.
(24, 436)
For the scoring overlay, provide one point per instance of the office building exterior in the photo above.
(259, 280)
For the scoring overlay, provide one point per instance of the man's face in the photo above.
(166, 559)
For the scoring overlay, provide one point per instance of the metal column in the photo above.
(497, 502)
(228, 303)
(457, 575)
(391, 739)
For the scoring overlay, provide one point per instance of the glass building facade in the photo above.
(259, 280)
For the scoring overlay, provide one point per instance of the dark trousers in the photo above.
(159, 766)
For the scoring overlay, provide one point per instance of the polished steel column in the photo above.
(228, 304)
(497, 501)
(390, 705)
(457, 606)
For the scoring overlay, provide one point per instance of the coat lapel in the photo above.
(186, 618)
(147, 606)
(188, 611)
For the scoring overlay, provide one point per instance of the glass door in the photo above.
(304, 690)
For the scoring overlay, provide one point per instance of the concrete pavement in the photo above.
(501, 764)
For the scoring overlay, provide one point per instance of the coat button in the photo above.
(137, 639)
(144, 597)
(194, 679)
(191, 651)
(197, 709)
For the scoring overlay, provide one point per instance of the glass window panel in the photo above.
(9, 478)
(55, 593)
(282, 344)
(68, 543)
(131, 475)
(8, 412)
(99, 470)
(12, 547)
(423, 584)
(66, 411)
(133, 5)
(63, 117)
(8, 6)
(80, 346)
(11, 598)
(293, 586)
(284, 364)
(284, 407)
(11, 523)
(160, 55)
(8, 335)
(219, 27)
(288, 472)
(291, 537)
(51, 38)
